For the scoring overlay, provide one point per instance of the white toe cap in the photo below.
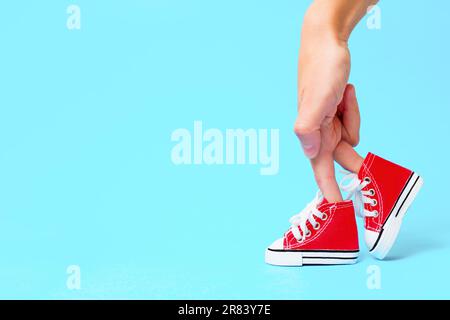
(277, 244)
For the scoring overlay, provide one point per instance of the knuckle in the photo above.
(302, 129)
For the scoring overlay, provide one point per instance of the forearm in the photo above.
(338, 17)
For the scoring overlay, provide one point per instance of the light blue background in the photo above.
(85, 171)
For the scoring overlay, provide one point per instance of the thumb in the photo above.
(307, 128)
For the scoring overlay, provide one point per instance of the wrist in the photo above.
(335, 18)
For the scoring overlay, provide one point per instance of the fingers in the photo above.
(323, 163)
(313, 114)
(350, 116)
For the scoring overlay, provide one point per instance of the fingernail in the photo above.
(308, 150)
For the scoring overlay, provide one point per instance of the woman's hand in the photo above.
(324, 68)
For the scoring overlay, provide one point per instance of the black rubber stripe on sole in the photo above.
(401, 192)
(312, 251)
(323, 264)
(331, 258)
(396, 214)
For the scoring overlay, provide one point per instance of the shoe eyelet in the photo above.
(308, 234)
(324, 217)
(374, 203)
(375, 213)
(367, 179)
(317, 226)
(372, 192)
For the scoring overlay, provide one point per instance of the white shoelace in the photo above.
(354, 188)
(298, 222)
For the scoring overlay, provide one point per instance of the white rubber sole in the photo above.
(391, 227)
(297, 258)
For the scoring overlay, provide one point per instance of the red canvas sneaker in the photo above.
(323, 233)
(383, 192)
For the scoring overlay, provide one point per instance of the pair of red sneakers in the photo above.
(326, 233)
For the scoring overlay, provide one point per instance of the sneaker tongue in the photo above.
(321, 203)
